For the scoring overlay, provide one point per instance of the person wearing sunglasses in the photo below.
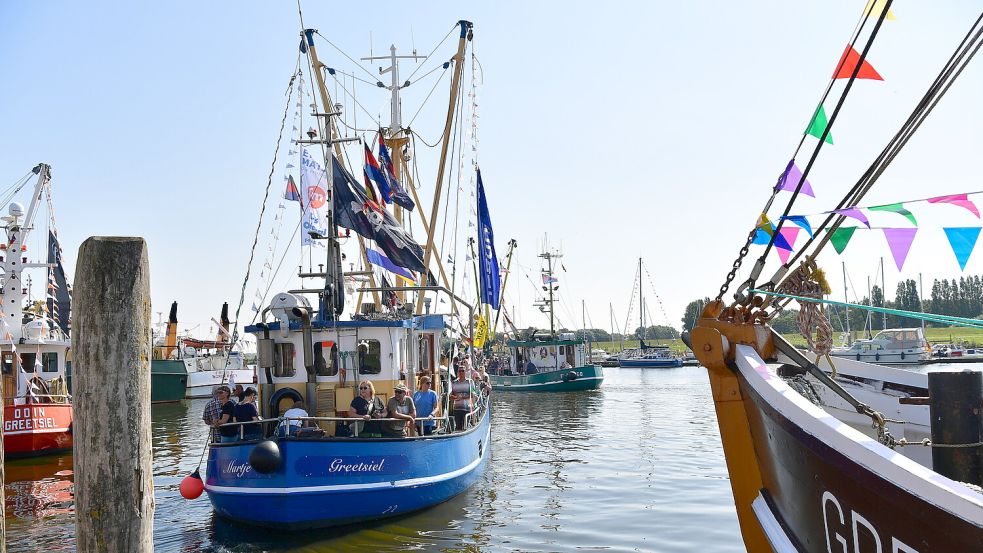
(367, 406)
(402, 408)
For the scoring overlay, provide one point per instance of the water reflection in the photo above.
(633, 466)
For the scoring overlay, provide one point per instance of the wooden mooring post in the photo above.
(956, 409)
(111, 344)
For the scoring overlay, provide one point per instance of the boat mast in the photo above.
(549, 288)
(458, 60)
(883, 297)
(13, 293)
(846, 299)
(333, 295)
(641, 306)
(501, 296)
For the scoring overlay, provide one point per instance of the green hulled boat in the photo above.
(546, 366)
(168, 380)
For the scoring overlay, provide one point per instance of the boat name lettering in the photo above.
(351, 465)
(28, 418)
(339, 465)
(859, 525)
(238, 469)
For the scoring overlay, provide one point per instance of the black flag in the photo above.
(354, 210)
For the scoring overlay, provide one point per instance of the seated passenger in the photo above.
(289, 427)
(368, 406)
(400, 407)
(425, 401)
(531, 368)
(245, 411)
(565, 365)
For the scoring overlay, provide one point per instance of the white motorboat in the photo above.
(896, 346)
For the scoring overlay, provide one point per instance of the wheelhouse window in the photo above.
(425, 354)
(49, 362)
(326, 358)
(27, 361)
(369, 357)
(283, 363)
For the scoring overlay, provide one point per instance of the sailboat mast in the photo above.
(641, 305)
(549, 286)
(883, 297)
(501, 297)
(846, 299)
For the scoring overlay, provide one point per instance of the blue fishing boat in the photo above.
(333, 437)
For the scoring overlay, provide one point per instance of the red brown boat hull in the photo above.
(36, 429)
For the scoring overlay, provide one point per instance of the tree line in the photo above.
(952, 297)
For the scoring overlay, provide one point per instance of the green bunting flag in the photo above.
(819, 124)
(841, 237)
(896, 208)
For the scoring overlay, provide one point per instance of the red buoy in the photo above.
(192, 486)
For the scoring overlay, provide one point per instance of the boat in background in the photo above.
(894, 346)
(37, 413)
(547, 362)
(192, 368)
(646, 356)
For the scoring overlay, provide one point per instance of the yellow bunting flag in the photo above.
(876, 7)
(765, 224)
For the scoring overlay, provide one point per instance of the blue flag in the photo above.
(399, 194)
(381, 260)
(487, 259)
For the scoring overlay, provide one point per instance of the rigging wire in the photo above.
(422, 63)
(360, 66)
(426, 99)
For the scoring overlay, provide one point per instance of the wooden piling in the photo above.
(111, 343)
(956, 399)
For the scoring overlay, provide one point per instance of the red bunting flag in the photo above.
(849, 61)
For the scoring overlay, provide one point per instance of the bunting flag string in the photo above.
(789, 234)
(848, 64)
(789, 180)
(962, 240)
(899, 241)
(818, 125)
(961, 200)
(854, 213)
(896, 208)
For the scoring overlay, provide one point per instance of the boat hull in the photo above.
(341, 481)
(201, 383)
(918, 357)
(168, 380)
(36, 429)
(588, 377)
(823, 484)
(650, 363)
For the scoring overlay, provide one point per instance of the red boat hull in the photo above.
(36, 429)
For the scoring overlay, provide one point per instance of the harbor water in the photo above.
(634, 466)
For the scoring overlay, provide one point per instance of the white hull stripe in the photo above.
(349, 487)
(550, 383)
(772, 528)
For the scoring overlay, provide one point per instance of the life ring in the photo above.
(280, 394)
(542, 352)
(570, 376)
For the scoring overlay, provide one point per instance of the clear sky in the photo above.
(619, 129)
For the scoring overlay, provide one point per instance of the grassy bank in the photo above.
(970, 337)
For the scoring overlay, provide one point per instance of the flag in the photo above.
(353, 211)
(549, 279)
(381, 260)
(848, 63)
(389, 297)
(369, 190)
(487, 259)
(59, 303)
(399, 193)
(291, 193)
(374, 173)
(313, 188)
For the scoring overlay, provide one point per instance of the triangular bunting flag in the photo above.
(802, 222)
(849, 61)
(899, 240)
(962, 240)
(760, 237)
(790, 180)
(855, 214)
(876, 7)
(841, 237)
(818, 125)
(962, 200)
(788, 234)
(896, 208)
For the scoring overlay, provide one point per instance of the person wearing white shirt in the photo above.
(294, 424)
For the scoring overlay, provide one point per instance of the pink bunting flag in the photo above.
(854, 213)
(899, 240)
(789, 234)
(962, 200)
(791, 178)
